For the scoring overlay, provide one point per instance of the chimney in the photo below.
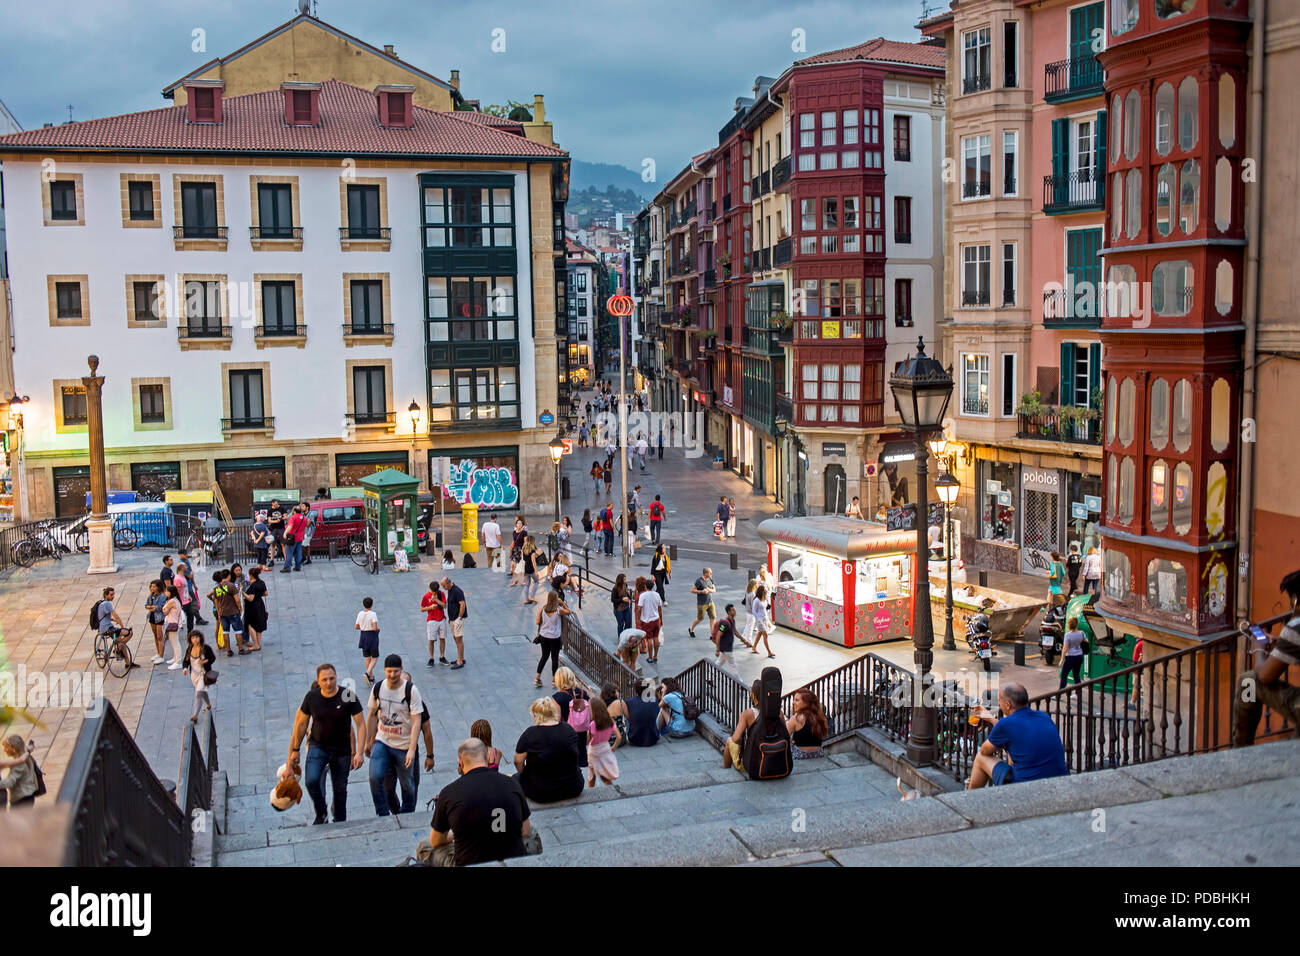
(203, 100)
(539, 109)
(455, 80)
(388, 48)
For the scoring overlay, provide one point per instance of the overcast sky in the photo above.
(623, 80)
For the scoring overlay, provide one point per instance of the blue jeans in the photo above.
(293, 556)
(388, 769)
(339, 764)
(609, 542)
(623, 619)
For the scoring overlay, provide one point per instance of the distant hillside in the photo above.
(584, 175)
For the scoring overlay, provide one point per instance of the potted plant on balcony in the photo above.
(1031, 404)
(724, 263)
(782, 323)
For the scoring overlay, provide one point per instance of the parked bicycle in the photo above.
(40, 542)
(363, 551)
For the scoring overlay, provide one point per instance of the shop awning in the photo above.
(837, 536)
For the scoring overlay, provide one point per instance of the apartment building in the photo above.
(268, 281)
(582, 308)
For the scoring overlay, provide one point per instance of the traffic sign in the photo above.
(568, 445)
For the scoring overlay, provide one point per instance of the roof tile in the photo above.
(880, 49)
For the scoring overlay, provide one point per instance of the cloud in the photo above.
(622, 80)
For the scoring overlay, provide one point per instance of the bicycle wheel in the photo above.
(82, 541)
(119, 659)
(101, 650)
(372, 558)
(125, 538)
(24, 553)
(357, 552)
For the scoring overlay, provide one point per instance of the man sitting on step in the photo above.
(1029, 737)
(1265, 686)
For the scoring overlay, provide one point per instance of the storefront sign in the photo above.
(1041, 479)
(992, 487)
(836, 448)
(1092, 503)
(882, 619)
(1004, 499)
(1078, 511)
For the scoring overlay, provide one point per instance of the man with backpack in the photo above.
(105, 620)
(656, 518)
(1073, 564)
(392, 739)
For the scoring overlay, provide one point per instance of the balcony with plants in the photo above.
(1074, 424)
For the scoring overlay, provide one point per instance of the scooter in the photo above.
(980, 640)
(1051, 634)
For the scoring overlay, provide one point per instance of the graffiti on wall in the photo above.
(491, 487)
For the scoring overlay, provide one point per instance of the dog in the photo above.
(287, 792)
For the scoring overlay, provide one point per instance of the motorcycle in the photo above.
(1051, 634)
(979, 639)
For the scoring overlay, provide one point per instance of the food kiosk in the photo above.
(841, 579)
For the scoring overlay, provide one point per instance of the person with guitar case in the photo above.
(767, 746)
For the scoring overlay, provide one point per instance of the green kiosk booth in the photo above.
(391, 510)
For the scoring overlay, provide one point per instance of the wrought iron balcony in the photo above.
(710, 278)
(971, 297)
(1073, 79)
(781, 173)
(783, 251)
(372, 418)
(977, 83)
(974, 405)
(903, 237)
(976, 189)
(902, 155)
(1053, 423)
(764, 183)
(1059, 312)
(199, 232)
(366, 232)
(203, 331)
(236, 424)
(367, 328)
(1079, 191)
(275, 232)
(281, 331)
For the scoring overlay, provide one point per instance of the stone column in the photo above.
(100, 526)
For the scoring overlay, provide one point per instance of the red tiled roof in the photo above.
(880, 49)
(349, 125)
(487, 119)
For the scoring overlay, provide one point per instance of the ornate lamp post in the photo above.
(557, 453)
(414, 411)
(948, 486)
(99, 527)
(922, 389)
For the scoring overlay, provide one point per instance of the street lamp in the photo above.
(557, 452)
(922, 389)
(414, 411)
(948, 486)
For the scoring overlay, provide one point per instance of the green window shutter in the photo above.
(1101, 158)
(1067, 374)
(1094, 372)
(1093, 260)
(1060, 160)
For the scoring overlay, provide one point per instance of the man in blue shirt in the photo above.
(1030, 739)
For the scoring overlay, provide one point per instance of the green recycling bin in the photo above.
(391, 508)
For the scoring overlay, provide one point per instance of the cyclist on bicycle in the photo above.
(108, 622)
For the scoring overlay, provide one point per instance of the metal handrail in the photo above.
(366, 232)
(275, 232)
(351, 328)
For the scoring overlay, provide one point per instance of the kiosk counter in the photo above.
(841, 579)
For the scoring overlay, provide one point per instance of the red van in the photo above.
(336, 520)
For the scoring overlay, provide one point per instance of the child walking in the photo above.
(368, 625)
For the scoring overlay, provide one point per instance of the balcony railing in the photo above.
(764, 183)
(784, 408)
(753, 186)
(783, 251)
(903, 237)
(204, 332)
(726, 202)
(236, 424)
(366, 232)
(781, 173)
(1058, 312)
(971, 297)
(1051, 425)
(356, 328)
(199, 232)
(902, 155)
(976, 189)
(275, 232)
(974, 405)
(281, 331)
(372, 418)
(977, 83)
(1078, 191)
(1071, 79)
(710, 278)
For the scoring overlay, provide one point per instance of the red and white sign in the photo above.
(882, 619)
(568, 445)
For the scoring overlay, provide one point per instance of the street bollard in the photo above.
(1020, 653)
(984, 579)
(672, 552)
(334, 550)
(735, 561)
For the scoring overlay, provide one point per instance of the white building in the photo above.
(272, 287)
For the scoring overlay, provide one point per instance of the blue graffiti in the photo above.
(492, 487)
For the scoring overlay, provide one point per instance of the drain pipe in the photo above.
(1250, 313)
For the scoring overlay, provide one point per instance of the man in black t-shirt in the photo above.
(642, 715)
(335, 746)
(479, 818)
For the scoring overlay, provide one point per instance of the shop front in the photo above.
(841, 579)
(237, 477)
(153, 479)
(350, 469)
(71, 485)
(486, 477)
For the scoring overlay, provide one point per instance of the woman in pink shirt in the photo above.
(602, 738)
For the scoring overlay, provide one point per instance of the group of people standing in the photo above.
(286, 534)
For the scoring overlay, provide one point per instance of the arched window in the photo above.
(1126, 490)
(1159, 414)
(1173, 8)
(1118, 574)
(1164, 116)
(1159, 495)
(1110, 414)
(1121, 293)
(1171, 288)
(1123, 16)
(1216, 496)
(1182, 497)
(1112, 496)
(1127, 398)
(1187, 114)
(1116, 122)
(1220, 403)
(1223, 289)
(1166, 186)
(1132, 124)
(1117, 204)
(1167, 586)
(1189, 197)
(1227, 110)
(1222, 194)
(1132, 203)
(1182, 415)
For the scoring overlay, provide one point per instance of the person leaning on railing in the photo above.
(1029, 738)
(1263, 686)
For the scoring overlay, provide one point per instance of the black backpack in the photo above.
(690, 707)
(94, 615)
(406, 697)
(767, 748)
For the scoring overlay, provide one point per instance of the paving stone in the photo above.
(678, 846)
(269, 856)
(847, 825)
(228, 843)
(1044, 797)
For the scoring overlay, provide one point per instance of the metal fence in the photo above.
(198, 765)
(591, 657)
(121, 814)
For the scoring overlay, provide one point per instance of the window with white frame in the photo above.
(976, 50)
(975, 275)
(1008, 385)
(975, 384)
(1008, 273)
(976, 169)
(1010, 161)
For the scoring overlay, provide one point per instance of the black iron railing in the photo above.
(366, 232)
(902, 237)
(119, 812)
(902, 155)
(1072, 78)
(977, 83)
(236, 424)
(1051, 425)
(367, 328)
(198, 765)
(372, 418)
(783, 251)
(781, 173)
(764, 183)
(204, 331)
(975, 297)
(1080, 190)
(710, 278)
(275, 232)
(278, 331)
(974, 405)
(199, 232)
(976, 189)
(599, 664)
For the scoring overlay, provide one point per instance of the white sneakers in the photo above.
(174, 666)
(157, 659)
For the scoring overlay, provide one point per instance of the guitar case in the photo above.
(767, 747)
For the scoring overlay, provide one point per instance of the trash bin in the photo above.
(564, 487)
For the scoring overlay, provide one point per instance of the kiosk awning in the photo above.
(837, 536)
